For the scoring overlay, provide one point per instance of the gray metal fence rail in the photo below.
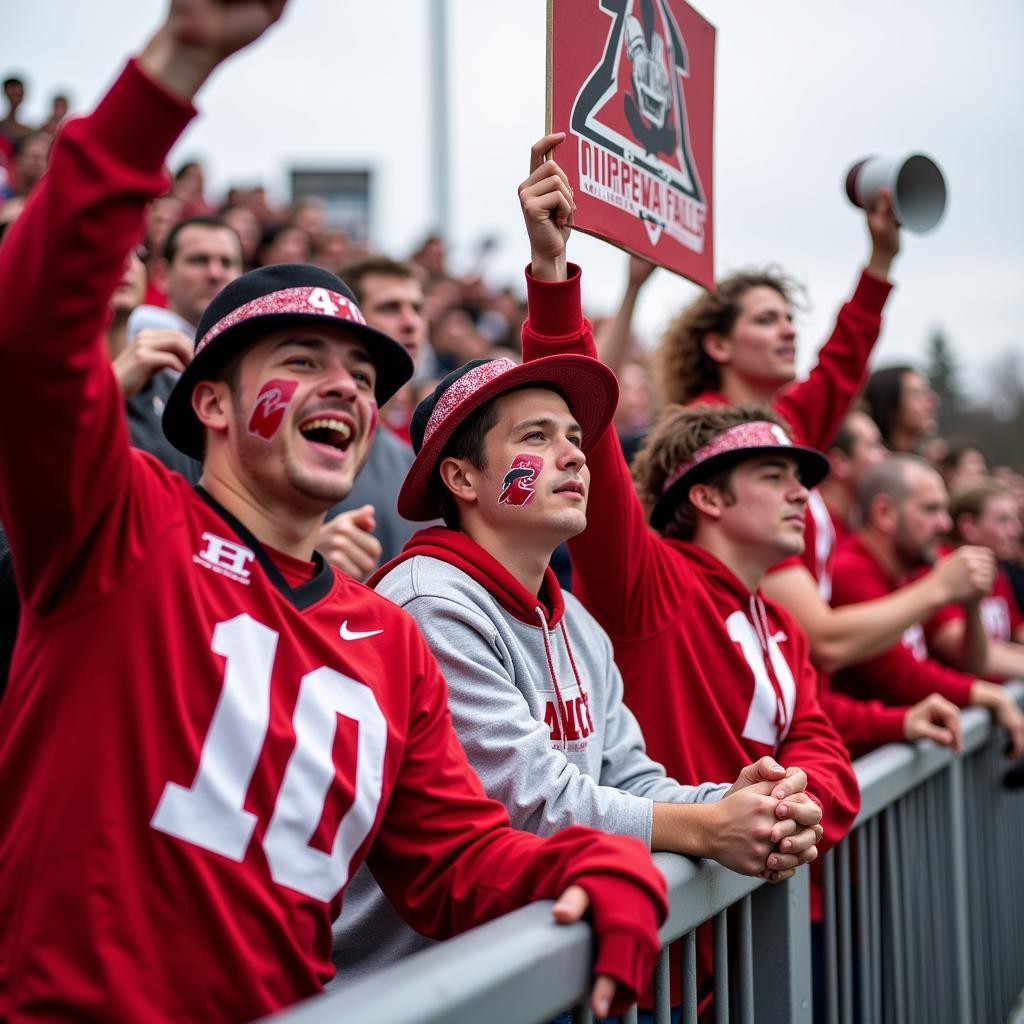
(923, 921)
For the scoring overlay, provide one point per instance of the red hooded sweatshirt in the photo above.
(815, 409)
(689, 637)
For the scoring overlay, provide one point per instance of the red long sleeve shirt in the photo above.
(903, 674)
(202, 739)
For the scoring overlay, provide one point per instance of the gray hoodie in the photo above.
(536, 700)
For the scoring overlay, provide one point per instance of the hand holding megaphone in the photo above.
(915, 183)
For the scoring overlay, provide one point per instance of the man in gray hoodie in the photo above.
(534, 692)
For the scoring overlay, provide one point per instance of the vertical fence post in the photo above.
(958, 862)
(782, 962)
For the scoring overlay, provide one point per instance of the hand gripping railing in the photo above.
(924, 921)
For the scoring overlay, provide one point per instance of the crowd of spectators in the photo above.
(910, 588)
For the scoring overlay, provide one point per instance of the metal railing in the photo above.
(923, 921)
(924, 899)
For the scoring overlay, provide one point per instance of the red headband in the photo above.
(757, 434)
(318, 301)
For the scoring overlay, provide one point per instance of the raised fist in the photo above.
(966, 573)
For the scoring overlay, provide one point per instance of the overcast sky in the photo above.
(802, 90)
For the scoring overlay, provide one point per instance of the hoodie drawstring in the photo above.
(759, 617)
(563, 718)
(576, 674)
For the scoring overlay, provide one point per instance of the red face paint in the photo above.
(517, 488)
(270, 406)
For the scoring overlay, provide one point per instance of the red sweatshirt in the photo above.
(815, 409)
(903, 674)
(201, 740)
(717, 676)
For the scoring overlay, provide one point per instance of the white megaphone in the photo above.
(915, 183)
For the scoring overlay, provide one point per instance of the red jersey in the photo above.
(903, 674)
(201, 740)
(717, 676)
(1000, 614)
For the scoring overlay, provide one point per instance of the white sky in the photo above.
(803, 89)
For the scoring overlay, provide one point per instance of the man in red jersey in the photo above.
(864, 724)
(690, 628)
(207, 729)
(904, 513)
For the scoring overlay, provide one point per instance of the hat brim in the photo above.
(589, 387)
(182, 428)
(812, 465)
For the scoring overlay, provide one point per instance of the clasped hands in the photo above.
(772, 825)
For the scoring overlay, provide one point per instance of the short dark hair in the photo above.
(356, 271)
(468, 443)
(891, 479)
(230, 373)
(171, 241)
(957, 448)
(14, 80)
(19, 144)
(184, 169)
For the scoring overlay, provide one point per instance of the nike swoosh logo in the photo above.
(351, 634)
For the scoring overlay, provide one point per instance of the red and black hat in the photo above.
(588, 386)
(738, 443)
(262, 301)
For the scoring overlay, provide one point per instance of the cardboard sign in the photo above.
(631, 82)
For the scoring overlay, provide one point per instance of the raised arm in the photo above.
(614, 335)
(59, 265)
(616, 559)
(817, 406)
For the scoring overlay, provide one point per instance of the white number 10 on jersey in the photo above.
(210, 812)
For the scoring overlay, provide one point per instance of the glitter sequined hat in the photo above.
(738, 443)
(263, 301)
(588, 386)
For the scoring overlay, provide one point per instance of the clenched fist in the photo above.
(966, 574)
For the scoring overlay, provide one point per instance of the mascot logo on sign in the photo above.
(517, 488)
(630, 117)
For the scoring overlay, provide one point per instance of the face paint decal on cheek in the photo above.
(517, 487)
(374, 418)
(270, 406)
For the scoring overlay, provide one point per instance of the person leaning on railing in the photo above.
(206, 727)
(716, 674)
(534, 693)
